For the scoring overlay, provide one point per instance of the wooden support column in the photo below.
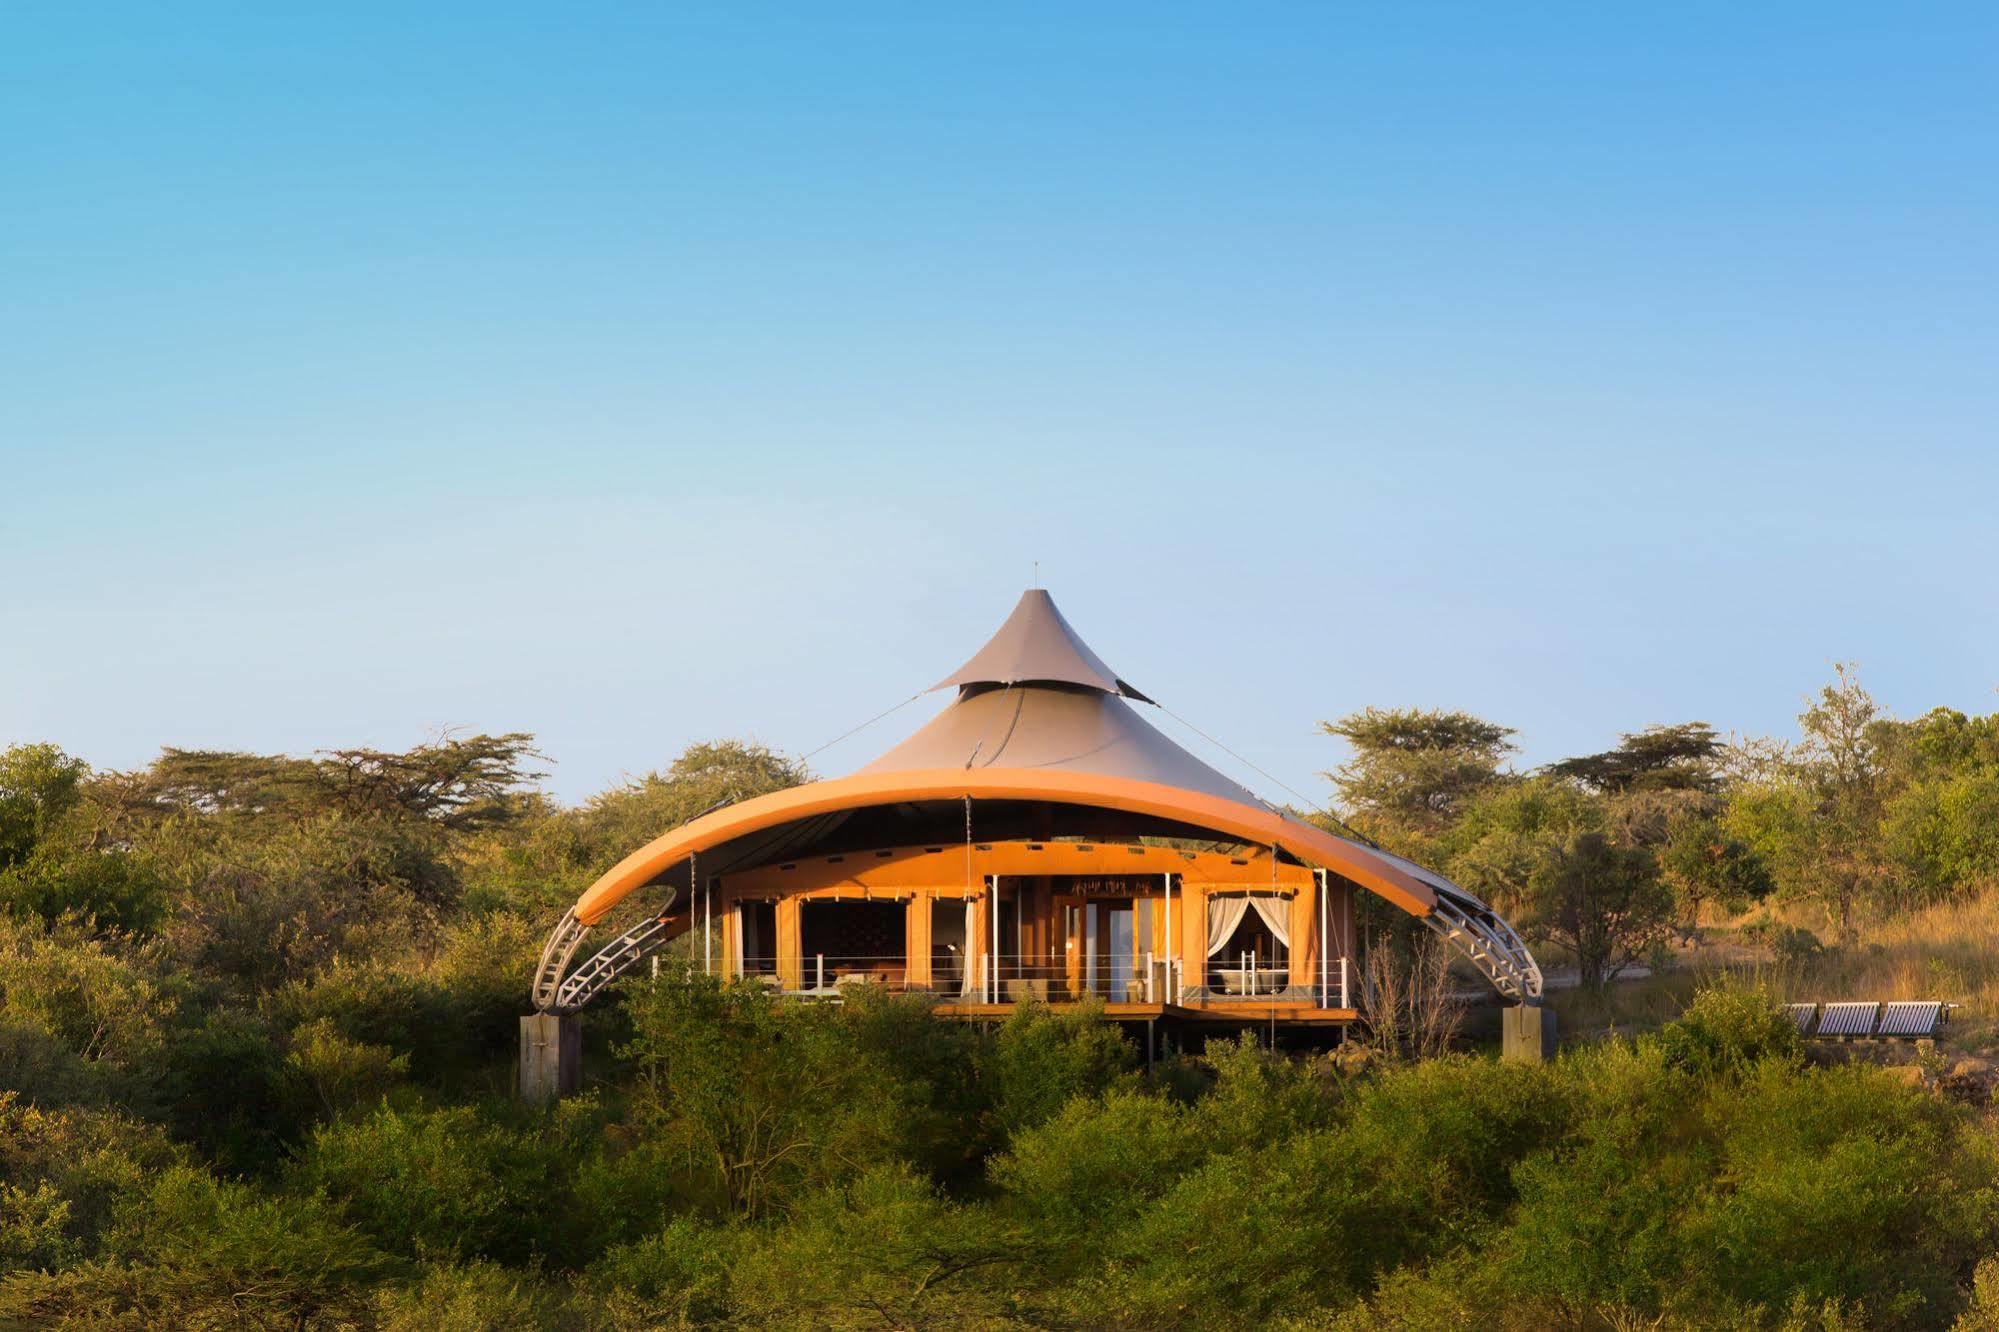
(1303, 922)
(726, 919)
(979, 948)
(916, 930)
(551, 1056)
(1037, 898)
(1191, 919)
(790, 968)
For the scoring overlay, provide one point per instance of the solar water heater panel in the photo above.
(1911, 1019)
(1852, 1019)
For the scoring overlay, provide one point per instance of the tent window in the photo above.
(855, 938)
(949, 944)
(1249, 949)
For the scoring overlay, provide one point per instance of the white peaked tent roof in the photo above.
(1036, 645)
(1065, 728)
(1036, 697)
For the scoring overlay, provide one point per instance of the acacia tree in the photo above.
(1509, 830)
(1703, 864)
(707, 774)
(1603, 902)
(1414, 771)
(38, 785)
(1658, 758)
(1815, 810)
(454, 781)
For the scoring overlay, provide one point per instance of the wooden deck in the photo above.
(1289, 1013)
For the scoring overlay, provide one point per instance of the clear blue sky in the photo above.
(634, 375)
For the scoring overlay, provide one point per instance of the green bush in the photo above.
(477, 1297)
(271, 904)
(885, 1250)
(386, 1003)
(1068, 1183)
(343, 1073)
(1728, 1029)
(763, 1100)
(455, 1184)
(678, 1277)
(234, 1094)
(110, 890)
(82, 1018)
(72, 1167)
(1038, 1061)
(1839, 1185)
(1796, 946)
(191, 1252)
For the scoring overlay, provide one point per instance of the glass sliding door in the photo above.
(1105, 944)
(1120, 951)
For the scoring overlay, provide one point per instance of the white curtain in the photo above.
(736, 945)
(1276, 913)
(1224, 914)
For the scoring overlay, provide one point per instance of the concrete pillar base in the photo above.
(1527, 1034)
(551, 1056)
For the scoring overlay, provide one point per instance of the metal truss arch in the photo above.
(558, 989)
(1489, 943)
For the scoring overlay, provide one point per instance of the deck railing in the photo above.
(1019, 978)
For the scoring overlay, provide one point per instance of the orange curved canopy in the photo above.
(1372, 870)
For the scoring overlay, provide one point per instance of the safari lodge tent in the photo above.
(1037, 839)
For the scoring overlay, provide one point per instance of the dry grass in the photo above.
(1949, 952)
(1626, 1007)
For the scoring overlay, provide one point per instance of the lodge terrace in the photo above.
(1037, 840)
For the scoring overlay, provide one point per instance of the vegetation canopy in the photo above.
(258, 1023)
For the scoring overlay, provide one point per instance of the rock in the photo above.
(1352, 1057)
(1971, 1068)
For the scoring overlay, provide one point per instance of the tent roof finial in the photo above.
(1037, 644)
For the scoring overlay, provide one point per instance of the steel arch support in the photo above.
(1484, 939)
(557, 989)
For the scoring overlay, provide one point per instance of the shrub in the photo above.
(82, 1018)
(678, 1277)
(110, 890)
(190, 1252)
(477, 1297)
(233, 1093)
(1838, 1185)
(1257, 1096)
(1727, 1029)
(1038, 1061)
(1071, 1181)
(342, 1073)
(267, 908)
(761, 1100)
(387, 1003)
(84, 1160)
(481, 969)
(451, 1185)
(1982, 1313)
(1795, 946)
(882, 1251)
